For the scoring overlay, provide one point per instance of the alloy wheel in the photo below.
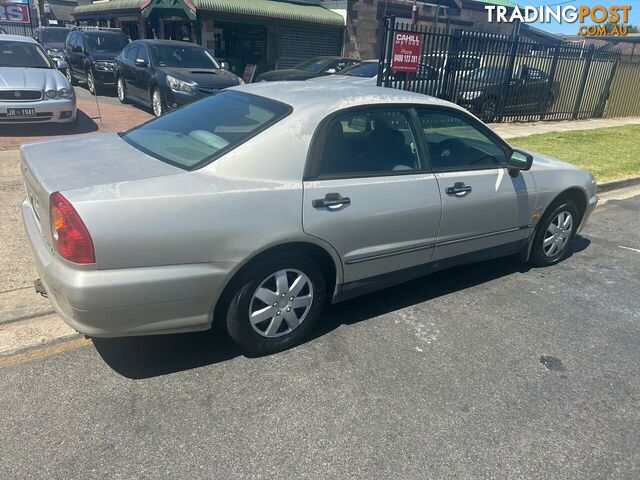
(90, 84)
(281, 303)
(157, 103)
(67, 74)
(121, 94)
(558, 233)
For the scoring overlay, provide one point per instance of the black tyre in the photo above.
(554, 233)
(277, 303)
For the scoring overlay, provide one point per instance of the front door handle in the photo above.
(333, 201)
(459, 189)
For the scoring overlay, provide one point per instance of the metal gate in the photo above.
(297, 45)
(503, 78)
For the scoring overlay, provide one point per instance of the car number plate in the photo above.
(21, 112)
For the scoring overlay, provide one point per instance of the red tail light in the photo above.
(71, 238)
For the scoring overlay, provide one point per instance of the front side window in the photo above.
(142, 54)
(182, 57)
(364, 70)
(23, 54)
(369, 142)
(315, 65)
(131, 53)
(456, 144)
(202, 131)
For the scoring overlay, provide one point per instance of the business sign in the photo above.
(14, 12)
(405, 55)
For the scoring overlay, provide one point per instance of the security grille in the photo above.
(297, 46)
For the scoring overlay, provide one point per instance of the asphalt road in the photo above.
(487, 371)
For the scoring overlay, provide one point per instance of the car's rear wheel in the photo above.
(157, 102)
(555, 233)
(122, 93)
(276, 304)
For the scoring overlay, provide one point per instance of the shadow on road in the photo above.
(145, 357)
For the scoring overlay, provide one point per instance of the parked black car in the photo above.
(52, 40)
(315, 67)
(530, 90)
(165, 74)
(90, 55)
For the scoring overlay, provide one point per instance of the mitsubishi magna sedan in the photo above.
(258, 205)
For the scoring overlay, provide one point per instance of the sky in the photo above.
(572, 28)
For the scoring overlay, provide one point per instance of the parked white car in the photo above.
(32, 90)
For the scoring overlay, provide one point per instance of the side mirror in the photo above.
(519, 160)
(331, 71)
(76, 49)
(61, 64)
(140, 62)
(224, 65)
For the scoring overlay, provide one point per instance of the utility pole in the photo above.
(414, 13)
(36, 4)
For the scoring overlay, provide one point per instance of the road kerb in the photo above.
(618, 184)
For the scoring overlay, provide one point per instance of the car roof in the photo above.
(330, 97)
(175, 43)
(96, 32)
(17, 38)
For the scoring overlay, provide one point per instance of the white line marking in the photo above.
(629, 248)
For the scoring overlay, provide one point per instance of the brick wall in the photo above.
(364, 22)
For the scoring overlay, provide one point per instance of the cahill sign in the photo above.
(596, 16)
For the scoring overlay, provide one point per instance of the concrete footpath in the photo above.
(511, 130)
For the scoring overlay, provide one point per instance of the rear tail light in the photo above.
(71, 238)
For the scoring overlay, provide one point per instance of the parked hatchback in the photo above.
(52, 40)
(314, 67)
(90, 55)
(260, 204)
(165, 74)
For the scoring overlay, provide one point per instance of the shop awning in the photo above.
(294, 12)
(267, 9)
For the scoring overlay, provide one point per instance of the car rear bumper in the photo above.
(62, 110)
(131, 301)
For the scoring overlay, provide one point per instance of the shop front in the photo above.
(266, 33)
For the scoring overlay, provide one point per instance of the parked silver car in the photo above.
(261, 203)
(32, 90)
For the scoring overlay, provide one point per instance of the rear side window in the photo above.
(203, 131)
(369, 142)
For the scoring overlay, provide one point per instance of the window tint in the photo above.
(202, 131)
(455, 144)
(131, 53)
(372, 141)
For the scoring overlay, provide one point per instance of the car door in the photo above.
(72, 55)
(142, 74)
(484, 208)
(367, 193)
(128, 69)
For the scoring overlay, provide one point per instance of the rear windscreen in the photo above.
(203, 131)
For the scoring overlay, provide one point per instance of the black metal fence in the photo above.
(12, 28)
(503, 78)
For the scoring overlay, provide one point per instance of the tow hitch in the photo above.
(37, 284)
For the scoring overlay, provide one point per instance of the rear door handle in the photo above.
(459, 189)
(332, 201)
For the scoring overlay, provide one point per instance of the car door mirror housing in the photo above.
(331, 71)
(141, 62)
(519, 160)
(61, 64)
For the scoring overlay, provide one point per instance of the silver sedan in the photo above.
(32, 90)
(260, 204)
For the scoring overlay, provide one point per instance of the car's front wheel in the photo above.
(157, 102)
(276, 304)
(555, 233)
(69, 75)
(91, 82)
(122, 93)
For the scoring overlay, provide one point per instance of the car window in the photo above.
(54, 35)
(456, 144)
(202, 131)
(369, 142)
(106, 42)
(142, 54)
(340, 65)
(365, 70)
(131, 52)
(23, 54)
(182, 57)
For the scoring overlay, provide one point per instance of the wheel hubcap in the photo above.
(90, 82)
(281, 303)
(157, 104)
(558, 234)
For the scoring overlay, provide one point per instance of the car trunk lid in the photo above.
(81, 162)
